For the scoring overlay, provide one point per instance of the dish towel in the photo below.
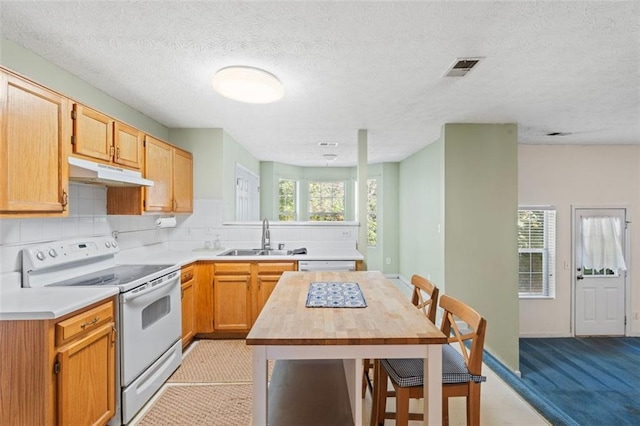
(601, 246)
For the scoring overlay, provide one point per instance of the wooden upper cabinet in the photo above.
(127, 141)
(171, 170)
(158, 168)
(100, 137)
(34, 136)
(182, 181)
(92, 133)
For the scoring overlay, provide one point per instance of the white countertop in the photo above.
(160, 255)
(17, 303)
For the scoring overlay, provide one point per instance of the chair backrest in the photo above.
(427, 306)
(477, 325)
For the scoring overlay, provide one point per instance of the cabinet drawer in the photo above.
(276, 267)
(232, 268)
(186, 274)
(84, 321)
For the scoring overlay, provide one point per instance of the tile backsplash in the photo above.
(88, 217)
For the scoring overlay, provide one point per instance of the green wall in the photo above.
(458, 208)
(41, 71)
(206, 147)
(421, 215)
(481, 206)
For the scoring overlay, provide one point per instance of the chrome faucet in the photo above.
(266, 235)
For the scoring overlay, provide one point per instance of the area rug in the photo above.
(220, 405)
(217, 361)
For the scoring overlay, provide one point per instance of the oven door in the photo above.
(150, 323)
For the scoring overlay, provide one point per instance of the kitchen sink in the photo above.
(255, 252)
(276, 252)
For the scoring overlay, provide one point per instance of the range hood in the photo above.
(101, 174)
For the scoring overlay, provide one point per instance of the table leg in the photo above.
(353, 375)
(260, 386)
(433, 384)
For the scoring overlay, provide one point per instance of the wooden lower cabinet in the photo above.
(86, 379)
(267, 275)
(203, 298)
(230, 295)
(232, 302)
(188, 295)
(59, 371)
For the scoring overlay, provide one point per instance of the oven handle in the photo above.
(129, 296)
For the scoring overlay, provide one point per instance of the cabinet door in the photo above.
(158, 168)
(203, 298)
(182, 181)
(92, 133)
(86, 379)
(187, 280)
(35, 132)
(128, 144)
(266, 284)
(232, 303)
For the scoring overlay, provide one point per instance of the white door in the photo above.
(599, 293)
(247, 195)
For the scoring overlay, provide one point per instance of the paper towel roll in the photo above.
(166, 222)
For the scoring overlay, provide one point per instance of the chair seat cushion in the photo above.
(409, 372)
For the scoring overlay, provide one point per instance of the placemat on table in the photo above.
(335, 295)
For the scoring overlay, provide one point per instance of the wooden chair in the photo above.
(461, 371)
(428, 306)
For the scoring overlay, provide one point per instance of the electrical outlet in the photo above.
(635, 315)
(346, 233)
(388, 260)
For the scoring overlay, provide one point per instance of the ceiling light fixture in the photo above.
(248, 84)
(330, 157)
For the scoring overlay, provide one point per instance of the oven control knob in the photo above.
(114, 244)
(53, 253)
(40, 255)
(107, 244)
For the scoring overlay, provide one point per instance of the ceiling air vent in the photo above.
(462, 66)
(328, 144)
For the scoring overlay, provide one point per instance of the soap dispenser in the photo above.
(217, 245)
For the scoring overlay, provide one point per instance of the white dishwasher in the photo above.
(326, 265)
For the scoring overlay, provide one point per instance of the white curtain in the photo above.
(601, 244)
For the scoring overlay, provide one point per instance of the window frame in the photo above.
(372, 212)
(548, 253)
(296, 197)
(310, 199)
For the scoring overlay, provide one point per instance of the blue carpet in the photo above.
(593, 381)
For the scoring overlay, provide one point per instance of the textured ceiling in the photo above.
(550, 66)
